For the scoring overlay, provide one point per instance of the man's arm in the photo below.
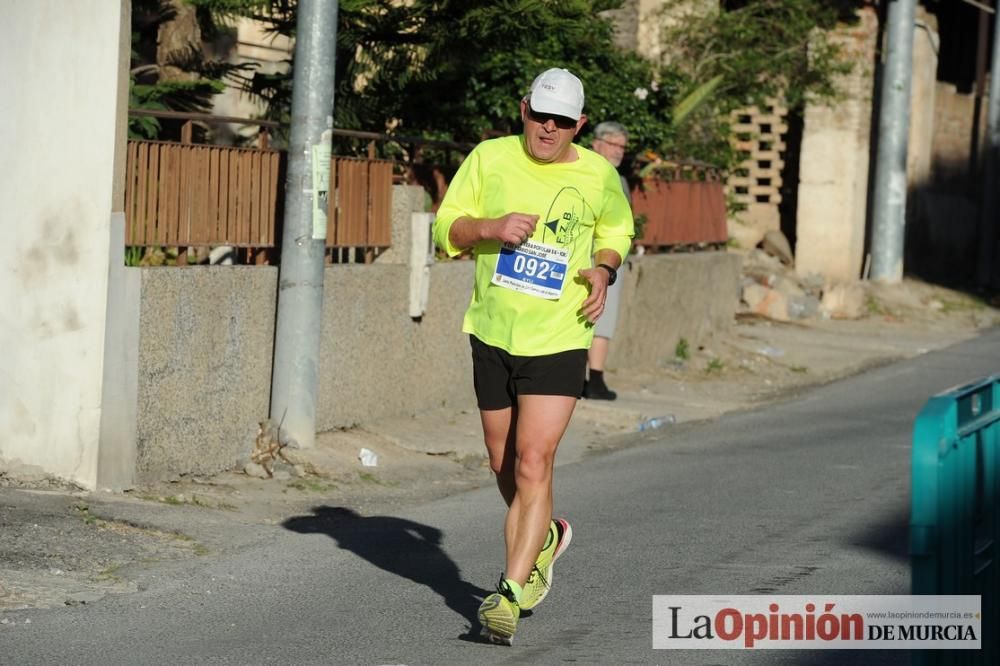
(613, 233)
(512, 228)
(593, 306)
(609, 257)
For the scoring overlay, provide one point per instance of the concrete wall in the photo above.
(639, 23)
(206, 344)
(62, 136)
(376, 361)
(626, 23)
(954, 114)
(833, 171)
(940, 228)
(926, 44)
(406, 199)
(204, 366)
(669, 297)
(942, 232)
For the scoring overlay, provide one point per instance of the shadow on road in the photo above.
(890, 537)
(401, 547)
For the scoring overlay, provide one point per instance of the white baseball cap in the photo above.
(558, 92)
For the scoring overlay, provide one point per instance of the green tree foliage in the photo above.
(167, 96)
(456, 69)
(761, 49)
(751, 50)
(184, 80)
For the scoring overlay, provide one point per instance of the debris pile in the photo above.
(771, 287)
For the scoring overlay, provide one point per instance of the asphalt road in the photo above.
(809, 496)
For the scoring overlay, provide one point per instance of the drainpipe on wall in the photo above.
(295, 371)
(889, 211)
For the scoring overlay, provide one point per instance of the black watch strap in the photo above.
(612, 273)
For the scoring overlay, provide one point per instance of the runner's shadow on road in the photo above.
(402, 547)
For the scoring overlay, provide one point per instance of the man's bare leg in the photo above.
(540, 424)
(499, 430)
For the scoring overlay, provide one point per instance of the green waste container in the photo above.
(954, 517)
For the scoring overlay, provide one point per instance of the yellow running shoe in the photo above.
(540, 580)
(498, 614)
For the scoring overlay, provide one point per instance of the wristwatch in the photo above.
(612, 273)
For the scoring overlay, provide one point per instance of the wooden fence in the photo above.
(194, 195)
(190, 195)
(361, 208)
(682, 209)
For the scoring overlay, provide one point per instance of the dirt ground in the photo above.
(63, 546)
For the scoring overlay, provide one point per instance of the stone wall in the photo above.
(204, 366)
(953, 129)
(206, 340)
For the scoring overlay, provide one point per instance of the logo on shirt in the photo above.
(563, 219)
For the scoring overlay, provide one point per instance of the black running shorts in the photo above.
(501, 377)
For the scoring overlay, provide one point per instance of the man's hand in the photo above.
(514, 228)
(593, 307)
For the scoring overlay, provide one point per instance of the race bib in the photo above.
(532, 268)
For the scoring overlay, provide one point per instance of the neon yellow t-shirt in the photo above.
(527, 302)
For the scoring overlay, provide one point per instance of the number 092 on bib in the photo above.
(532, 268)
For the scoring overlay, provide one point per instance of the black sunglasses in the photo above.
(562, 122)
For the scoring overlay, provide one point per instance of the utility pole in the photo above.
(889, 210)
(988, 273)
(295, 373)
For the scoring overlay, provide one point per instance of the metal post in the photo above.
(889, 209)
(295, 374)
(989, 254)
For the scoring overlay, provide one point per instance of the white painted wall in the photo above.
(60, 105)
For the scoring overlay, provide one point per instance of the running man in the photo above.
(549, 225)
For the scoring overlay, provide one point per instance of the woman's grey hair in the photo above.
(609, 127)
